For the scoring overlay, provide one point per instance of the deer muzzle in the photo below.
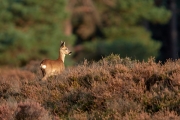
(69, 53)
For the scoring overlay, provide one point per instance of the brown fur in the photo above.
(54, 67)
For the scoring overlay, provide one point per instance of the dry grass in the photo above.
(112, 88)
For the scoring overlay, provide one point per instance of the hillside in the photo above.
(112, 88)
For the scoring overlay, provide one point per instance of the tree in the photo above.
(31, 29)
(121, 25)
(173, 32)
(168, 33)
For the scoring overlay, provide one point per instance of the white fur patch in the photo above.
(43, 66)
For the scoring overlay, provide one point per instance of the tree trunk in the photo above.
(173, 31)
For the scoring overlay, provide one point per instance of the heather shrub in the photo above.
(31, 111)
(112, 88)
(6, 112)
(165, 115)
(23, 111)
(161, 115)
(33, 66)
(9, 85)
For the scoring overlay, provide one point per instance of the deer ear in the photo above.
(62, 44)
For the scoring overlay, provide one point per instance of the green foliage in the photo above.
(31, 29)
(133, 12)
(123, 24)
(135, 48)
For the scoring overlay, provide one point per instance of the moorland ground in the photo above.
(112, 88)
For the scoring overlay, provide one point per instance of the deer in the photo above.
(54, 67)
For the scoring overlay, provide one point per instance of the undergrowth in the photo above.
(112, 88)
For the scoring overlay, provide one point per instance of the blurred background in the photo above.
(92, 29)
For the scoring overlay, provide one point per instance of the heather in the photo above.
(111, 88)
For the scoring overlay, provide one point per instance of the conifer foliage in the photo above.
(30, 29)
(116, 26)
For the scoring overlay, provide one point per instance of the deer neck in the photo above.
(61, 56)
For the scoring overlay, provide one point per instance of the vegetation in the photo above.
(112, 88)
(116, 26)
(31, 30)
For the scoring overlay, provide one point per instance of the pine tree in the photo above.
(123, 23)
(31, 29)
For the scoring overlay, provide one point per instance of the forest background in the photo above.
(32, 30)
(128, 84)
